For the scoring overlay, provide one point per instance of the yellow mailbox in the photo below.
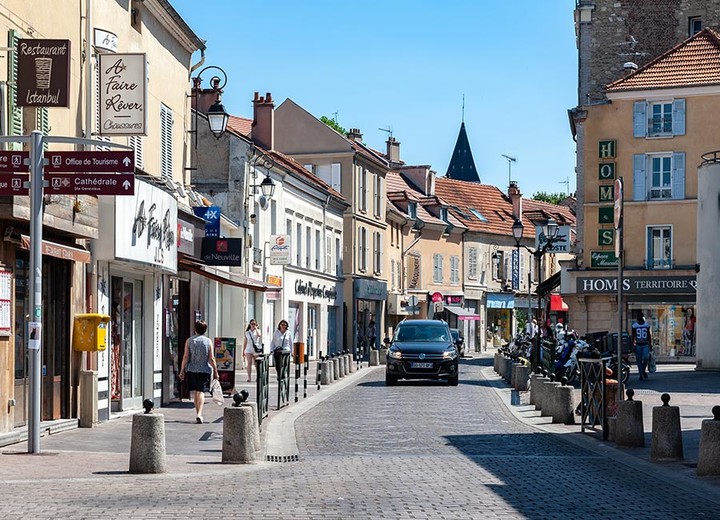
(90, 332)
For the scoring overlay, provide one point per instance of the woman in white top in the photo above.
(281, 344)
(252, 346)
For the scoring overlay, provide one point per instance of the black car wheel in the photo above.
(453, 381)
(390, 380)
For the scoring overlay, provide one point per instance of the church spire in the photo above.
(462, 164)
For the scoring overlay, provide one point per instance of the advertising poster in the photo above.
(225, 360)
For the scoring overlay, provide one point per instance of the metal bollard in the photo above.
(709, 451)
(629, 431)
(666, 432)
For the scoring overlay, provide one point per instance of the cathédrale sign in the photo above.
(43, 73)
(638, 284)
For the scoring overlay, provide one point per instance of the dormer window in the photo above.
(444, 214)
(412, 210)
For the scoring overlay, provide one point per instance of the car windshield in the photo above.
(455, 334)
(422, 333)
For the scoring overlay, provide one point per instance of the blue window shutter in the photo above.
(678, 175)
(678, 117)
(640, 119)
(649, 257)
(639, 190)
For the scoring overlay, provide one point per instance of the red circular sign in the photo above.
(436, 297)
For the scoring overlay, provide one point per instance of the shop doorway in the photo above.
(126, 364)
(312, 330)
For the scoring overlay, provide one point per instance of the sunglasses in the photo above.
(283, 324)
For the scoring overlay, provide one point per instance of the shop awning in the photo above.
(557, 304)
(225, 277)
(500, 301)
(549, 284)
(73, 253)
(462, 314)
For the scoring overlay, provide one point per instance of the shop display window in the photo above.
(672, 326)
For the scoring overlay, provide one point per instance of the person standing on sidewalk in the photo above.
(642, 339)
(281, 344)
(252, 346)
(198, 365)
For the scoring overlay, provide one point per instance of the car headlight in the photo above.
(450, 353)
(395, 354)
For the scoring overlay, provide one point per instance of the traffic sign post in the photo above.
(618, 214)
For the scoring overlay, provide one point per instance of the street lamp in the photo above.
(550, 232)
(216, 114)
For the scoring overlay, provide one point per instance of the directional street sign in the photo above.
(14, 161)
(82, 184)
(64, 162)
(14, 184)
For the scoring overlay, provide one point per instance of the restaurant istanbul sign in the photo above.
(43, 73)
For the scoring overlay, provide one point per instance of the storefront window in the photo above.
(672, 326)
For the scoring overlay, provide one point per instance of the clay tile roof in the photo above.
(368, 153)
(299, 170)
(694, 62)
(240, 125)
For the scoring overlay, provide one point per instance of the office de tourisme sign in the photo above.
(638, 284)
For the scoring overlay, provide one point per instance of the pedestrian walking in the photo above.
(642, 341)
(531, 329)
(198, 365)
(252, 346)
(281, 344)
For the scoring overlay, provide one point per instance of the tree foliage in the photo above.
(334, 125)
(552, 198)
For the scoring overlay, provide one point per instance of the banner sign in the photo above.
(222, 251)
(123, 94)
(561, 243)
(515, 269)
(43, 73)
(211, 216)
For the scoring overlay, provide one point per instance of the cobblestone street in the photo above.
(420, 450)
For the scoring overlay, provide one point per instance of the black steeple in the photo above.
(462, 165)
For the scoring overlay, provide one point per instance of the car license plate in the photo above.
(421, 365)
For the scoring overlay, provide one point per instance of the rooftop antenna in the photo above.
(566, 182)
(510, 160)
(335, 116)
(388, 130)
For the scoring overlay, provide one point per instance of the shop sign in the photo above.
(145, 227)
(43, 73)
(211, 216)
(436, 297)
(186, 237)
(123, 94)
(315, 291)
(560, 245)
(271, 279)
(603, 259)
(500, 301)
(105, 40)
(370, 290)
(638, 285)
(280, 250)
(607, 149)
(222, 251)
(453, 299)
(515, 269)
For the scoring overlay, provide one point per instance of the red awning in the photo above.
(557, 303)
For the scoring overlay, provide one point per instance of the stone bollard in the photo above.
(340, 367)
(563, 411)
(666, 432)
(501, 366)
(709, 450)
(255, 425)
(374, 358)
(325, 372)
(513, 366)
(548, 398)
(351, 363)
(383, 356)
(540, 381)
(336, 368)
(496, 362)
(238, 446)
(147, 445)
(534, 383)
(507, 370)
(629, 431)
(522, 379)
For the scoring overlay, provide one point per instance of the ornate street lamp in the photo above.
(216, 114)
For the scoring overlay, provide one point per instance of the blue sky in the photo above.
(406, 65)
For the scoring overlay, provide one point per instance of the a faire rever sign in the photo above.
(123, 94)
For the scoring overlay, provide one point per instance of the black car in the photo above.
(422, 349)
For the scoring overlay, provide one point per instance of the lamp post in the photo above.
(550, 230)
(216, 114)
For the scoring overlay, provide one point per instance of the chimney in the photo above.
(393, 150)
(355, 135)
(515, 199)
(203, 98)
(263, 131)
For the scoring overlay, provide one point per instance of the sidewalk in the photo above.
(694, 392)
(190, 447)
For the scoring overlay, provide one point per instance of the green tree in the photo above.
(552, 198)
(334, 125)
